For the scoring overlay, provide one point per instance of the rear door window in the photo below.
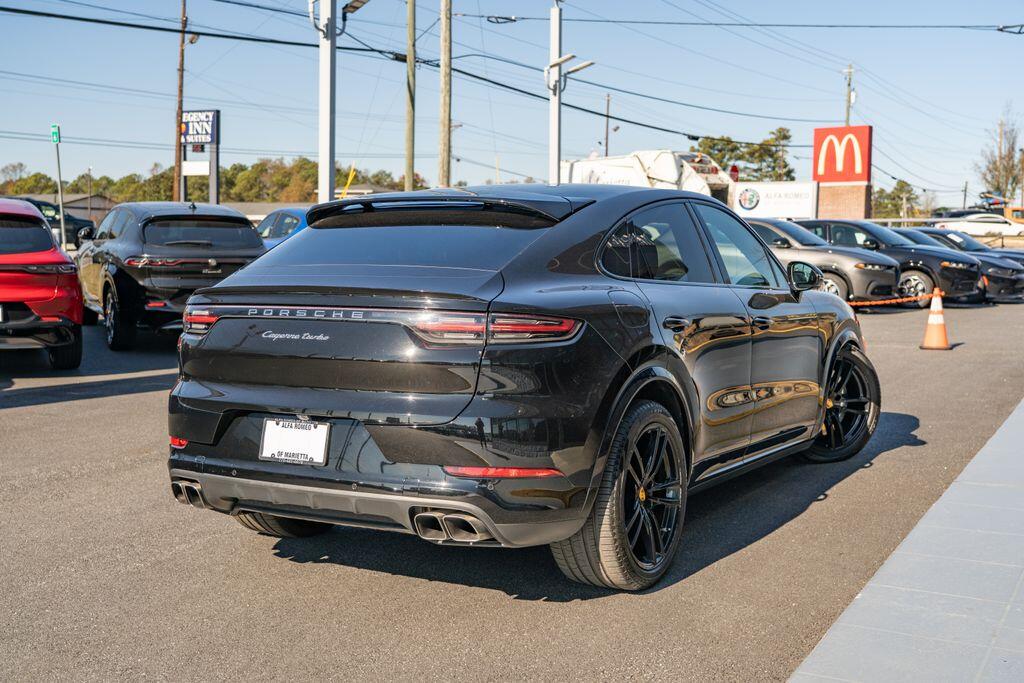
(197, 232)
(668, 246)
(23, 235)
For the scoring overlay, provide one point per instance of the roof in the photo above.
(69, 198)
(157, 209)
(18, 207)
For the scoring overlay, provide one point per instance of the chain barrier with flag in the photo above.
(901, 300)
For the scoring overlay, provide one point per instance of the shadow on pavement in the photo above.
(736, 514)
(76, 391)
(152, 352)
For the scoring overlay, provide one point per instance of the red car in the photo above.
(40, 298)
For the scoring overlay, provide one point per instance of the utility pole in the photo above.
(556, 81)
(176, 185)
(88, 201)
(444, 170)
(1021, 152)
(848, 71)
(607, 119)
(965, 196)
(410, 95)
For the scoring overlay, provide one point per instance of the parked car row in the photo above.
(51, 213)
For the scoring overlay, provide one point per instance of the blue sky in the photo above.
(932, 95)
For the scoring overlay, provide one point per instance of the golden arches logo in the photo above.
(840, 150)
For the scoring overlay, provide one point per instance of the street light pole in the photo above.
(326, 27)
(556, 82)
(554, 78)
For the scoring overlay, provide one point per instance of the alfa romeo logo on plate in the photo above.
(749, 198)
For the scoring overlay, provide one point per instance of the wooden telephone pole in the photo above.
(444, 170)
(176, 186)
(410, 95)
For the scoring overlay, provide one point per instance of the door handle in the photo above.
(761, 321)
(675, 323)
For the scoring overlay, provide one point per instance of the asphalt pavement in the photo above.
(105, 575)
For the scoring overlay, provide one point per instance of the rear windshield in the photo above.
(194, 232)
(21, 235)
(448, 246)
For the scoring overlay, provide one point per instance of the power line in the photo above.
(396, 56)
(509, 19)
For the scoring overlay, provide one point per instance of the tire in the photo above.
(861, 388)
(69, 356)
(120, 329)
(89, 316)
(915, 283)
(281, 527)
(830, 282)
(600, 553)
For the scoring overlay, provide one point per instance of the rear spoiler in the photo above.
(553, 209)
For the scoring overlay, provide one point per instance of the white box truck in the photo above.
(661, 168)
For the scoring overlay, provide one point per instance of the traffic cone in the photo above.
(935, 338)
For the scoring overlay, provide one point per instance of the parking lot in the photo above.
(106, 575)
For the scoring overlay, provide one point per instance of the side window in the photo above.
(267, 225)
(616, 255)
(117, 227)
(848, 235)
(817, 228)
(287, 224)
(103, 232)
(668, 246)
(745, 258)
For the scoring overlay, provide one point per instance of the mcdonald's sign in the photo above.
(842, 154)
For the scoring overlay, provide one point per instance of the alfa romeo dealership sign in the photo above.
(777, 200)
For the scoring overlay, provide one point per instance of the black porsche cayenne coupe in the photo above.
(512, 366)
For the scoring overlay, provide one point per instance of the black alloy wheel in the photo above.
(634, 529)
(852, 399)
(120, 332)
(652, 498)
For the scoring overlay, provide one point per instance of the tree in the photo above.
(34, 183)
(723, 150)
(899, 202)
(11, 173)
(763, 161)
(1000, 165)
(767, 161)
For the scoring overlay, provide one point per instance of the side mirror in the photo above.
(781, 243)
(803, 276)
(871, 244)
(86, 234)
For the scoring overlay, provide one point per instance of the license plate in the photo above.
(296, 441)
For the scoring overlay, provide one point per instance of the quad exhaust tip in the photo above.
(188, 492)
(459, 527)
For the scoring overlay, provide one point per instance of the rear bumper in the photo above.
(35, 333)
(350, 505)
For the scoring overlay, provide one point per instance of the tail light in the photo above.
(198, 321)
(473, 328)
(45, 269)
(140, 261)
(502, 472)
(178, 442)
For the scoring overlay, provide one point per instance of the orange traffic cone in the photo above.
(935, 338)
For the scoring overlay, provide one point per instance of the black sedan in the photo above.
(1001, 278)
(961, 241)
(512, 366)
(146, 258)
(921, 268)
(849, 273)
